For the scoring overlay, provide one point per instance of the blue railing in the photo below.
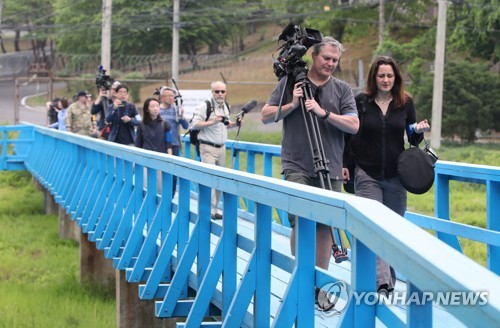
(173, 247)
(15, 142)
(446, 230)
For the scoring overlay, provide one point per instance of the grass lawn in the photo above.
(39, 272)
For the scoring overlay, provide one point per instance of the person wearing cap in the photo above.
(123, 117)
(79, 118)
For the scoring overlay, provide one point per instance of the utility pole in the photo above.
(381, 23)
(106, 34)
(175, 41)
(437, 96)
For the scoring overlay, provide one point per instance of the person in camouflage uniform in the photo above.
(79, 118)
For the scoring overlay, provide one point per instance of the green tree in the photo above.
(136, 29)
(31, 20)
(213, 24)
(476, 28)
(469, 100)
(143, 28)
(78, 26)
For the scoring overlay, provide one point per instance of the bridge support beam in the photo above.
(68, 229)
(50, 203)
(132, 312)
(94, 267)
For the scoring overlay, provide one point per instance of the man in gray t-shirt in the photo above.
(335, 108)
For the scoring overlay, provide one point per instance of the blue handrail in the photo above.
(445, 229)
(166, 246)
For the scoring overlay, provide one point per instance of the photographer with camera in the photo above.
(100, 108)
(212, 119)
(60, 124)
(123, 117)
(174, 115)
(105, 95)
(334, 107)
(53, 109)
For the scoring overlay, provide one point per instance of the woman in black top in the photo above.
(152, 133)
(385, 112)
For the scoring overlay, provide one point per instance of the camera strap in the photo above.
(210, 106)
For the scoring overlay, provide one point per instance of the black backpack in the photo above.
(193, 133)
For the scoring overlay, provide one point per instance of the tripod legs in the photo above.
(339, 252)
(320, 163)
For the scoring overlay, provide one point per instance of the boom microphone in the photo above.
(247, 107)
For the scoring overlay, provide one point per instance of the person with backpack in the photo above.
(211, 118)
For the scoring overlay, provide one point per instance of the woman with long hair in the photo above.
(153, 134)
(385, 111)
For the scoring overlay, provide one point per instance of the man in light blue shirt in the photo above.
(174, 115)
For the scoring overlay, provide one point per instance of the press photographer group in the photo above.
(333, 133)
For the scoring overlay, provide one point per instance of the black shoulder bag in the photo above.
(416, 169)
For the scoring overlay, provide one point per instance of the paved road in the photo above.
(27, 114)
(37, 115)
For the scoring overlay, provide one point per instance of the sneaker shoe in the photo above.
(324, 300)
(338, 254)
(217, 216)
(384, 290)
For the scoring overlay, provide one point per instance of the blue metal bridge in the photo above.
(238, 272)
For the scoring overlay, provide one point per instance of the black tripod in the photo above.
(320, 161)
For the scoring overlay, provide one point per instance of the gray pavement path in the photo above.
(35, 115)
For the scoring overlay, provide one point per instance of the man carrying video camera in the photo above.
(334, 106)
(212, 119)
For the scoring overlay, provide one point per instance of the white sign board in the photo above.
(192, 99)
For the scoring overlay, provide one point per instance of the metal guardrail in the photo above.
(446, 230)
(15, 142)
(166, 247)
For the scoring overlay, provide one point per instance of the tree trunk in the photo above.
(17, 37)
(2, 45)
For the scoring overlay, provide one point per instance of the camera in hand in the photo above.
(297, 42)
(225, 120)
(102, 80)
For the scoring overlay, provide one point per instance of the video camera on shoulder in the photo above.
(102, 80)
(297, 42)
